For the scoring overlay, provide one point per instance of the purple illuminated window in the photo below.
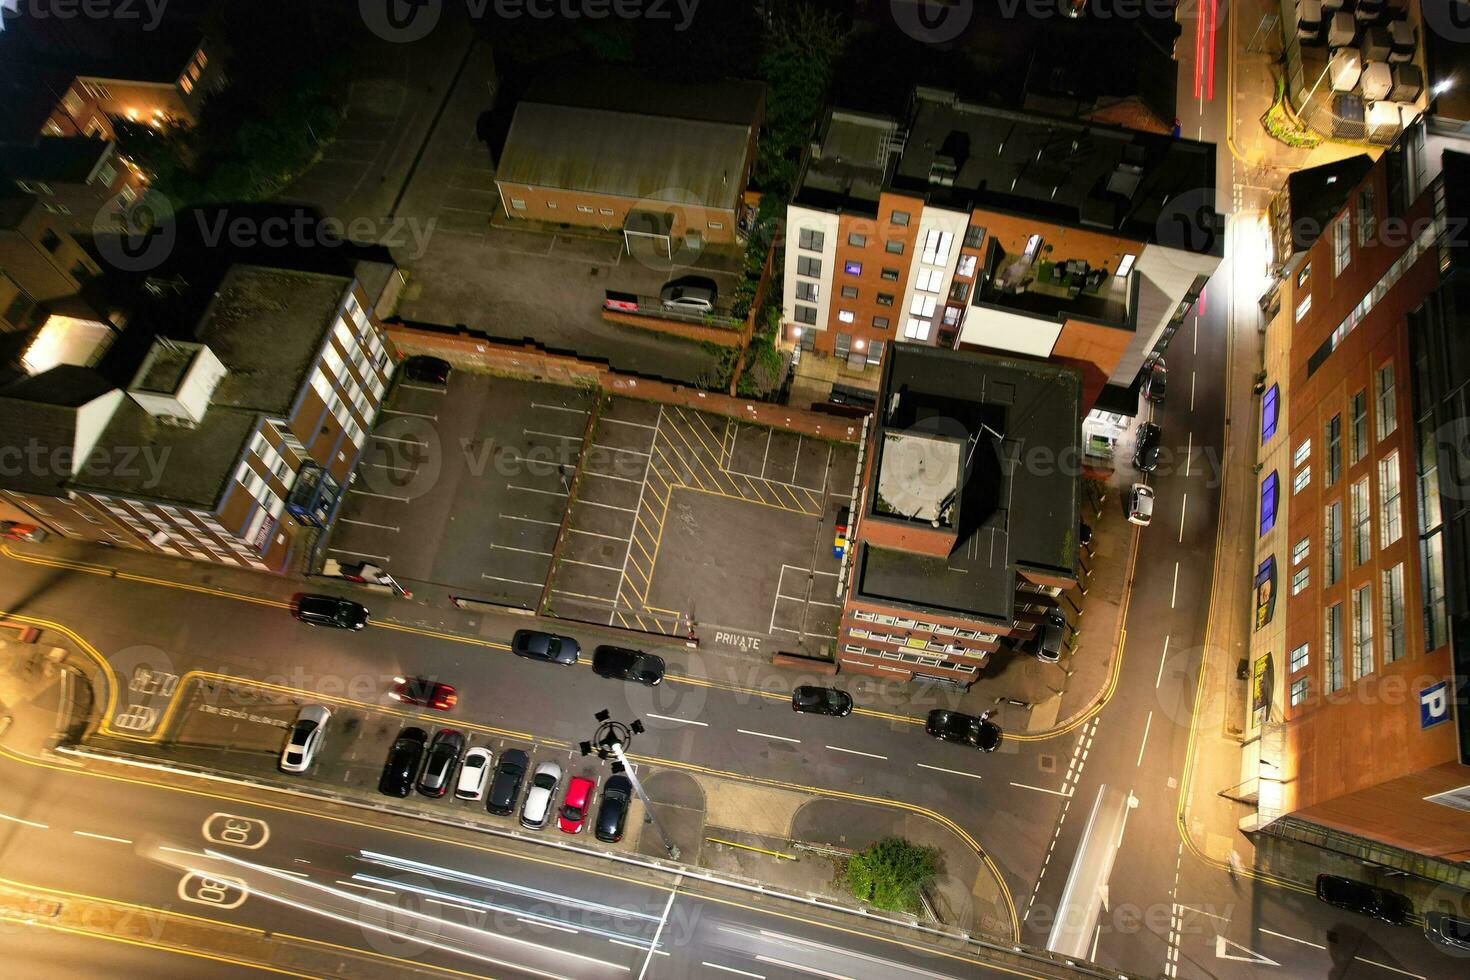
(852, 268)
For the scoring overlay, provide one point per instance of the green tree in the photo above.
(800, 47)
(890, 873)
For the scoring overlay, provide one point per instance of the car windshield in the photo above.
(572, 812)
(474, 762)
(544, 781)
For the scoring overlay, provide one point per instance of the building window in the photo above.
(885, 299)
(1431, 569)
(1334, 450)
(1304, 275)
(952, 316)
(1332, 647)
(856, 240)
(846, 316)
(1302, 478)
(1298, 690)
(849, 292)
(1342, 248)
(937, 245)
(1270, 412)
(811, 240)
(1390, 510)
(1268, 502)
(806, 266)
(1386, 419)
(916, 329)
(1301, 550)
(959, 292)
(929, 280)
(807, 291)
(923, 305)
(880, 322)
(1299, 658)
(1303, 306)
(894, 247)
(1332, 543)
(965, 267)
(899, 218)
(717, 225)
(1303, 452)
(604, 211)
(1362, 631)
(1362, 528)
(518, 204)
(875, 352)
(550, 205)
(842, 345)
(584, 208)
(1358, 427)
(808, 340)
(852, 268)
(974, 236)
(889, 275)
(50, 241)
(1367, 217)
(806, 314)
(1393, 613)
(1300, 579)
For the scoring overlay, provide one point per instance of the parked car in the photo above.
(474, 774)
(329, 610)
(810, 700)
(305, 739)
(550, 647)
(1146, 453)
(426, 370)
(505, 788)
(839, 539)
(573, 814)
(963, 729)
(1155, 381)
(1141, 504)
(444, 752)
(1447, 930)
(617, 796)
(1355, 896)
(403, 762)
(537, 808)
(1050, 636)
(693, 294)
(16, 531)
(424, 693)
(628, 665)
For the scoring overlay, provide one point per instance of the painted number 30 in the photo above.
(236, 831)
(217, 890)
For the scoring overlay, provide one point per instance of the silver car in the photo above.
(694, 295)
(305, 739)
(537, 808)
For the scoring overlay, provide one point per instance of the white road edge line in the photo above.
(779, 738)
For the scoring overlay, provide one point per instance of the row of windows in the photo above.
(1366, 618)
(928, 627)
(912, 643)
(908, 658)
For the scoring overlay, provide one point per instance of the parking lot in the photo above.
(463, 487)
(686, 519)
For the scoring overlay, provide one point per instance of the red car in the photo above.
(573, 815)
(424, 692)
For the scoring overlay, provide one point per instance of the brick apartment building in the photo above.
(1357, 727)
(75, 178)
(664, 163)
(965, 527)
(40, 262)
(965, 226)
(228, 447)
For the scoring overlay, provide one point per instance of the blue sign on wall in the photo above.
(1434, 704)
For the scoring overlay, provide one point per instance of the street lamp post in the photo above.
(608, 742)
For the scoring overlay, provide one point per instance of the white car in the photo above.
(1141, 504)
(306, 738)
(474, 773)
(537, 808)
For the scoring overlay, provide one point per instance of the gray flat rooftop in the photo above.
(846, 169)
(164, 368)
(1016, 510)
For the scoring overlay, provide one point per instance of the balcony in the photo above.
(1057, 288)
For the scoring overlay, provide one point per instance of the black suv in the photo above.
(448, 746)
(962, 729)
(811, 700)
(617, 795)
(403, 762)
(505, 787)
(1146, 455)
(1355, 896)
(628, 665)
(328, 610)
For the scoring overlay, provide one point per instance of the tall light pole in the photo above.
(608, 742)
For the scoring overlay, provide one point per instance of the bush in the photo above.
(890, 874)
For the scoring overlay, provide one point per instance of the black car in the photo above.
(963, 729)
(444, 753)
(617, 796)
(403, 762)
(550, 647)
(427, 370)
(1355, 896)
(1448, 930)
(1155, 381)
(505, 786)
(811, 700)
(328, 610)
(628, 665)
(1146, 455)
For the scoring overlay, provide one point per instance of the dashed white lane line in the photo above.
(1293, 939)
(1191, 391)
(800, 968)
(1385, 966)
(29, 823)
(1174, 594)
(1143, 744)
(1041, 789)
(371, 888)
(682, 721)
(548, 925)
(952, 772)
(870, 755)
(106, 837)
(1183, 509)
(1162, 657)
(1188, 453)
(779, 738)
(731, 969)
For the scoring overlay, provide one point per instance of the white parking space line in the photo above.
(106, 837)
(407, 442)
(551, 435)
(524, 551)
(385, 527)
(360, 554)
(641, 425)
(382, 496)
(593, 503)
(588, 598)
(779, 738)
(814, 602)
(394, 469)
(591, 564)
(952, 772)
(530, 520)
(517, 581)
(596, 534)
(549, 493)
(609, 476)
(559, 408)
(619, 449)
(417, 415)
(1041, 789)
(434, 391)
(682, 721)
(870, 755)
